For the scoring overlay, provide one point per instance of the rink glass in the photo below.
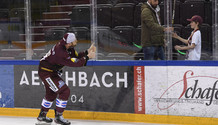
(29, 28)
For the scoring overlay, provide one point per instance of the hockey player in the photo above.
(62, 54)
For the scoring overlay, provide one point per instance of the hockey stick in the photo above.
(138, 46)
(183, 53)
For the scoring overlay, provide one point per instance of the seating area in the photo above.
(119, 22)
(20, 53)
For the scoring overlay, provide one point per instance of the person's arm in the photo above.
(185, 47)
(174, 35)
(82, 54)
(63, 58)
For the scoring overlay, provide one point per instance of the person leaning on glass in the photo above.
(194, 41)
(152, 33)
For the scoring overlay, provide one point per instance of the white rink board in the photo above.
(181, 90)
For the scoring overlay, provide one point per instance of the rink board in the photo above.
(6, 86)
(182, 91)
(93, 88)
(134, 91)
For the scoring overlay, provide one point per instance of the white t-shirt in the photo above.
(195, 53)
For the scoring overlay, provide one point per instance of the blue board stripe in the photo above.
(122, 63)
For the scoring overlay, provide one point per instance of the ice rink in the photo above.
(5, 120)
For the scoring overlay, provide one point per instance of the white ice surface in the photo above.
(5, 120)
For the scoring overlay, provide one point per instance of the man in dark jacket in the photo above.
(152, 34)
(62, 54)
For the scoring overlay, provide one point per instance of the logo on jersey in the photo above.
(61, 83)
(74, 60)
(52, 85)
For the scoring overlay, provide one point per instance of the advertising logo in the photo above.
(95, 88)
(82, 78)
(139, 87)
(191, 89)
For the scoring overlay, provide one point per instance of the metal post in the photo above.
(28, 30)
(215, 30)
(168, 23)
(93, 14)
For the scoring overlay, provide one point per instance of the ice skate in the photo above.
(43, 120)
(42, 123)
(59, 119)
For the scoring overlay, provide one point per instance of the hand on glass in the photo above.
(92, 48)
(91, 55)
(174, 35)
(169, 29)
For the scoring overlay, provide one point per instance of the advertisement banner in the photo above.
(139, 89)
(93, 88)
(7, 86)
(181, 90)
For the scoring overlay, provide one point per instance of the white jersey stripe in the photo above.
(52, 85)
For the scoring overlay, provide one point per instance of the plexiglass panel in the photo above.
(29, 28)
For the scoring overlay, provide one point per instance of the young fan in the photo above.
(194, 41)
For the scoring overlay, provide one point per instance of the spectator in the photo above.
(152, 34)
(194, 41)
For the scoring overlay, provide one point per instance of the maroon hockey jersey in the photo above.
(59, 56)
